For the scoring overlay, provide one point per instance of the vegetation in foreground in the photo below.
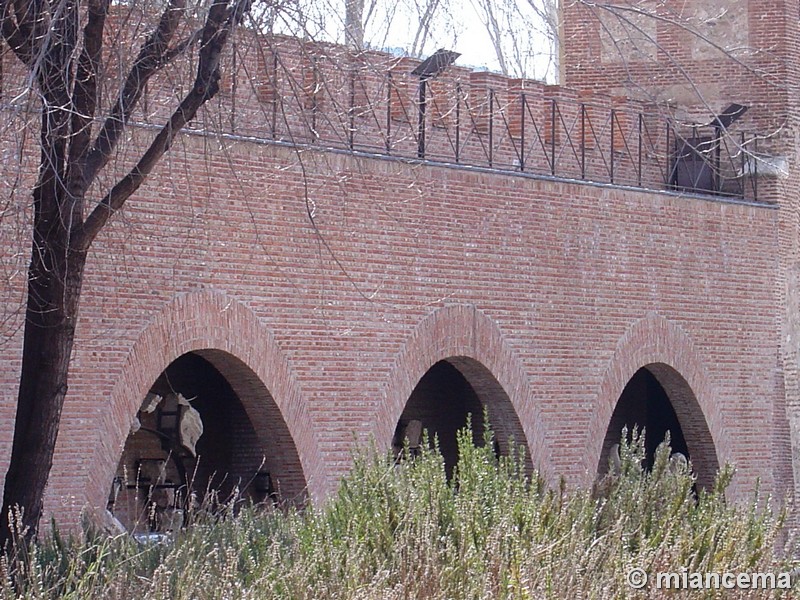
(405, 531)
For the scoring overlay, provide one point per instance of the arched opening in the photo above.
(442, 402)
(201, 438)
(658, 400)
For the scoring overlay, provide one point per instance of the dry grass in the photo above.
(407, 532)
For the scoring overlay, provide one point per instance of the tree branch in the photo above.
(494, 33)
(28, 27)
(52, 71)
(151, 58)
(423, 29)
(84, 97)
(220, 21)
(16, 40)
(616, 10)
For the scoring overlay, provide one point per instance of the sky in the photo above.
(461, 29)
(457, 26)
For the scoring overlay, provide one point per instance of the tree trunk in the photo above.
(354, 23)
(54, 282)
(48, 45)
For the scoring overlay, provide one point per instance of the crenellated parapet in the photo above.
(318, 94)
(288, 90)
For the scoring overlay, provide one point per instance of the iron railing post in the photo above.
(522, 134)
(458, 122)
(491, 125)
(641, 126)
(351, 135)
(696, 152)
(553, 137)
(613, 120)
(742, 152)
(670, 170)
(314, 84)
(275, 95)
(583, 140)
(389, 83)
(755, 168)
(423, 82)
(717, 181)
(234, 70)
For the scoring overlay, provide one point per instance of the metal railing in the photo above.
(469, 122)
(326, 96)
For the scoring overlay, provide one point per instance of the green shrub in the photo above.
(406, 531)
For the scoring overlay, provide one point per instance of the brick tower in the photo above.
(691, 59)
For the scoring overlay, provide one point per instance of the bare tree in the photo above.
(84, 87)
(64, 46)
(524, 35)
(354, 23)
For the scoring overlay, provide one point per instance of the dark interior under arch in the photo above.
(644, 404)
(160, 475)
(442, 403)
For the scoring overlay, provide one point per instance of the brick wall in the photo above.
(561, 291)
(694, 59)
(323, 286)
(695, 56)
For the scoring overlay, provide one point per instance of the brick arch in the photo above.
(231, 337)
(474, 344)
(666, 350)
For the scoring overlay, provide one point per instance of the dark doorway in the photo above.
(166, 468)
(644, 404)
(443, 402)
